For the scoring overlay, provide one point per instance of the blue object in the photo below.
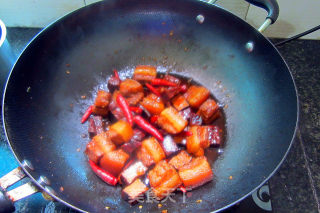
(7, 57)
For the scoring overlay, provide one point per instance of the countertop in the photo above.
(295, 187)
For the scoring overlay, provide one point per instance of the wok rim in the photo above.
(87, 7)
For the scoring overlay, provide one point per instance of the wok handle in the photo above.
(6, 205)
(271, 6)
(7, 198)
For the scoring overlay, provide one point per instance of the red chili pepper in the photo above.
(153, 90)
(183, 189)
(146, 126)
(183, 88)
(87, 114)
(123, 104)
(137, 110)
(154, 119)
(162, 82)
(116, 74)
(105, 176)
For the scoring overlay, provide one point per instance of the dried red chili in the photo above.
(146, 126)
(137, 110)
(104, 175)
(153, 90)
(162, 82)
(116, 74)
(154, 119)
(123, 104)
(87, 114)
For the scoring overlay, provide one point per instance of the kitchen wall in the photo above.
(295, 16)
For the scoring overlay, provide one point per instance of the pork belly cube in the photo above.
(93, 151)
(153, 104)
(195, 119)
(196, 95)
(100, 111)
(198, 140)
(160, 173)
(169, 92)
(114, 108)
(186, 113)
(196, 173)
(144, 73)
(180, 102)
(135, 142)
(131, 146)
(113, 83)
(132, 192)
(163, 179)
(150, 152)
(92, 127)
(181, 159)
(208, 110)
(96, 125)
(168, 186)
(130, 86)
(131, 173)
(102, 99)
(114, 161)
(144, 156)
(169, 146)
(99, 145)
(215, 135)
(134, 98)
(120, 132)
(199, 153)
(171, 121)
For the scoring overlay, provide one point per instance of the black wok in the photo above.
(42, 105)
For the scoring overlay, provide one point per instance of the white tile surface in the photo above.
(35, 13)
(295, 17)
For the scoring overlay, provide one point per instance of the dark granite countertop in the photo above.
(296, 185)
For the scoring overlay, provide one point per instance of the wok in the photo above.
(75, 55)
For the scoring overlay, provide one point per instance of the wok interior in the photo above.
(43, 125)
